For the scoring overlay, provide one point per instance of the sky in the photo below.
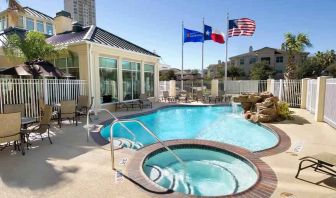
(156, 24)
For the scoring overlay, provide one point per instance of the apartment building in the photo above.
(216, 70)
(82, 11)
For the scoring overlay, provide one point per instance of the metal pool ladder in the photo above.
(121, 122)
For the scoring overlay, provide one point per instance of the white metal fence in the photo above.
(330, 102)
(288, 91)
(311, 95)
(28, 91)
(240, 86)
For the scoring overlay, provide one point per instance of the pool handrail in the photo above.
(113, 116)
(149, 132)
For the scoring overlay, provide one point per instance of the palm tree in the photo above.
(14, 8)
(294, 44)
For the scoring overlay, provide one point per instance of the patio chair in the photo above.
(322, 162)
(199, 96)
(41, 105)
(183, 96)
(128, 105)
(166, 96)
(10, 130)
(83, 105)
(67, 111)
(14, 108)
(43, 126)
(144, 101)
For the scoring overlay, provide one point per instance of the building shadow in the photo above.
(296, 119)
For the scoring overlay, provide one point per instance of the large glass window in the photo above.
(50, 29)
(21, 23)
(69, 66)
(40, 26)
(30, 24)
(2, 23)
(149, 80)
(131, 80)
(108, 80)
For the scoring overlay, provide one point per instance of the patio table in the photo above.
(25, 121)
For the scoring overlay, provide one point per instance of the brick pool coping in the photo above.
(264, 186)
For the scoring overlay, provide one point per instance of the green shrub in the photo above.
(284, 112)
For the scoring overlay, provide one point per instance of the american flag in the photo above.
(241, 27)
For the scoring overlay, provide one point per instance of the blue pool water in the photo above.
(206, 123)
(208, 172)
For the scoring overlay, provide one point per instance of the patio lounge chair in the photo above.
(183, 96)
(322, 162)
(43, 126)
(67, 110)
(10, 130)
(144, 101)
(199, 96)
(128, 105)
(14, 108)
(166, 96)
(83, 105)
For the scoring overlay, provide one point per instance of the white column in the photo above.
(142, 77)
(156, 81)
(320, 96)
(214, 87)
(172, 88)
(304, 93)
(120, 79)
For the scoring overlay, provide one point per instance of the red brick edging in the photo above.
(264, 186)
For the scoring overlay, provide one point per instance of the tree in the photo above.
(327, 58)
(332, 70)
(235, 72)
(167, 75)
(261, 71)
(294, 44)
(32, 46)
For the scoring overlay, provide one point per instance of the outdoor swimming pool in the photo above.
(216, 123)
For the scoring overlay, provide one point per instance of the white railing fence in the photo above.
(311, 95)
(288, 91)
(29, 91)
(330, 102)
(240, 86)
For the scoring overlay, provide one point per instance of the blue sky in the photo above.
(156, 24)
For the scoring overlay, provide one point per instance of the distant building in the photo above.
(215, 70)
(164, 67)
(188, 74)
(276, 58)
(82, 11)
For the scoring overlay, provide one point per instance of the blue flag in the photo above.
(192, 36)
(207, 32)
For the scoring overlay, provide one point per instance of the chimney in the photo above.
(251, 49)
(219, 62)
(77, 27)
(63, 22)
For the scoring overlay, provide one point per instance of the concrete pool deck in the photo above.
(71, 167)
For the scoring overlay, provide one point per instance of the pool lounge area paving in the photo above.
(73, 167)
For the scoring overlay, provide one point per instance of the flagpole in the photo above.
(202, 74)
(226, 53)
(182, 56)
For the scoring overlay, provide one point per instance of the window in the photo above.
(50, 29)
(30, 24)
(2, 23)
(131, 80)
(149, 80)
(40, 26)
(21, 23)
(241, 61)
(266, 59)
(253, 60)
(279, 59)
(70, 66)
(108, 80)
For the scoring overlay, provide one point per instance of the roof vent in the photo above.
(77, 27)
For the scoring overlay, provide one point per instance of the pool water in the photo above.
(206, 123)
(208, 172)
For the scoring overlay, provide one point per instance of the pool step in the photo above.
(126, 143)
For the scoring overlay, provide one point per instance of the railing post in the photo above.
(304, 83)
(270, 85)
(281, 89)
(320, 95)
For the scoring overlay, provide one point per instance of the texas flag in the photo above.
(216, 36)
